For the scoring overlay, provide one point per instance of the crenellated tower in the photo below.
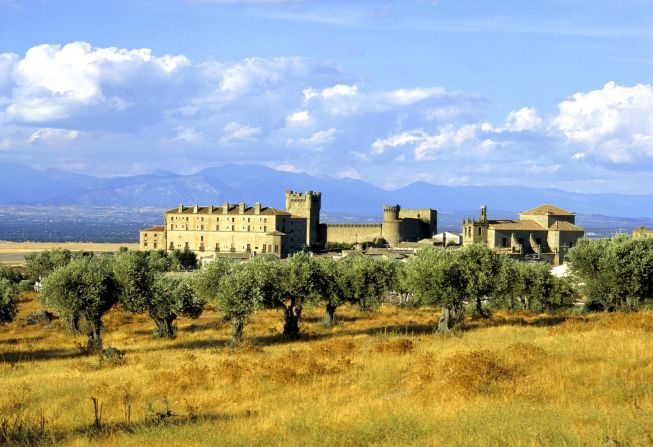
(307, 205)
(391, 227)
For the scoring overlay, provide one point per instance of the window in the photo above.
(145, 244)
(276, 248)
(504, 241)
(202, 238)
(217, 247)
(154, 245)
(479, 231)
(249, 248)
(186, 245)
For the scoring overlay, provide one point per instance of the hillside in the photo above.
(21, 185)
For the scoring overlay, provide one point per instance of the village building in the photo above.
(642, 232)
(544, 233)
(232, 229)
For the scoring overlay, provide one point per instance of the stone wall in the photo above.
(350, 233)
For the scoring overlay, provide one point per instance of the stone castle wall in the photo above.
(350, 233)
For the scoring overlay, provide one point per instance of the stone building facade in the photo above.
(545, 233)
(239, 228)
(642, 232)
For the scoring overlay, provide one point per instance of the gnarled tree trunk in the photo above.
(291, 320)
(165, 326)
(237, 326)
(479, 311)
(445, 324)
(330, 315)
(94, 345)
(71, 322)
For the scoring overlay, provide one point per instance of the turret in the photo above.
(391, 227)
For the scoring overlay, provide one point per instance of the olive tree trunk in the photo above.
(445, 324)
(94, 326)
(71, 322)
(237, 326)
(330, 315)
(165, 326)
(291, 320)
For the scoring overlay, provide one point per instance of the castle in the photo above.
(544, 233)
(232, 228)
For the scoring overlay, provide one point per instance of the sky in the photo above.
(555, 93)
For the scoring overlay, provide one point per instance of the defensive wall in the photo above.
(350, 233)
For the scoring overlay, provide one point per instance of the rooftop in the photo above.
(560, 225)
(155, 228)
(233, 209)
(528, 225)
(549, 209)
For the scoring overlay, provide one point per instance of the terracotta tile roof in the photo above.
(564, 226)
(515, 225)
(155, 228)
(233, 210)
(550, 209)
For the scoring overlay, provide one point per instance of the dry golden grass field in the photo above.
(381, 378)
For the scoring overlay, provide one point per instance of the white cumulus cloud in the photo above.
(524, 119)
(239, 132)
(614, 123)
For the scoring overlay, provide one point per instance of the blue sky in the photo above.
(545, 93)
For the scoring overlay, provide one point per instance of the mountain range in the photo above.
(23, 185)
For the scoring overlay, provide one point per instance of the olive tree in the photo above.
(145, 289)
(172, 297)
(334, 294)
(8, 301)
(366, 280)
(509, 287)
(10, 274)
(86, 286)
(185, 259)
(40, 265)
(304, 283)
(481, 266)
(615, 273)
(435, 276)
(245, 288)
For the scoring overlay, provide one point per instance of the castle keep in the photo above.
(545, 233)
(232, 228)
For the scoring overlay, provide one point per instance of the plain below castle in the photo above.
(238, 228)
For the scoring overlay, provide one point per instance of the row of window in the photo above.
(218, 228)
(217, 219)
(264, 248)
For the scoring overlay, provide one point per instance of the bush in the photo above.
(8, 301)
(26, 285)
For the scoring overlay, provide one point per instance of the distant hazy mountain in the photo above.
(20, 184)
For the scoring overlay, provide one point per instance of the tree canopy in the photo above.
(86, 286)
(8, 301)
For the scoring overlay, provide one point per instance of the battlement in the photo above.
(302, 196)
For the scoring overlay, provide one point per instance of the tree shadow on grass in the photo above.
(39, 355)
(157, 420)
(16, 341)
(515, 320)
